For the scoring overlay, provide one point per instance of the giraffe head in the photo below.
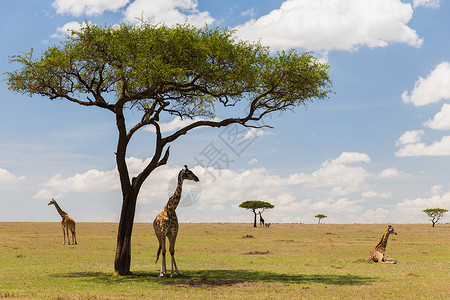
(391, 230)
(52, 202)
(186, 174)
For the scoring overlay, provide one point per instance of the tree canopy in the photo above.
(435, 214)
(157, 71)
(320, 217)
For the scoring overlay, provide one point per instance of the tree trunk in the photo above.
(123, 251)
(254, 222)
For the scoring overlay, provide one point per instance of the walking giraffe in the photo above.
(67, 223)
(166, 223)
(379, 253)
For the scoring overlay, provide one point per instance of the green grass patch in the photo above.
(221, 261)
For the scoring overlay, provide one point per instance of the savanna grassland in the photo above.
(285, 261)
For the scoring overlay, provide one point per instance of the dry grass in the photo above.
(216, 261)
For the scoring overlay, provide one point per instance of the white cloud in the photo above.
(391, 173)
(169, 12)
(336, 186)
(252, 161)
(337, 175)
(437, 148)
(90, 181)
(87, 7)
(66, 30)
(419, 204)
(436, 189)
(432, 89)
(373, 194)
(348, 158)
(325, 25)
(427, 3)
(410, 137)
(441, 120)
(8, 180)
(178, 123)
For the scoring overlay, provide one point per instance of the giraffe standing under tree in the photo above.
(379, 253)
(67, 223)
(261, 220)
(166, 223)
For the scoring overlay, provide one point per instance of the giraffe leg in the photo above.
(64, 233)
(74, 237)
(172, 240)
(162, 243)
(387, 260)
(68, 237)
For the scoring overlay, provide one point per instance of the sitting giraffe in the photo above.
(166, 223)
(379, 253)
(67, 223)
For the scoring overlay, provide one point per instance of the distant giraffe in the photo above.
(67, 223)
(261, 220)
(166, 223)
(379, 253)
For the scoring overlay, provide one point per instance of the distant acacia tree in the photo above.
(257, 207)
(152, 72)
(435, 214)
(319, 216)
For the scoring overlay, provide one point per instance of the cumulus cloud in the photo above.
(348, 158)
(441, 120)
(252, 161)
(66, 29)
(8, 180)
(437, 148)
(337, 185)
(410, 137)
(427, 3)
(432, 89)
(373, 194)
(391, 173)
(325, 25)
(87, 7)
(169, 12)
(419, 204)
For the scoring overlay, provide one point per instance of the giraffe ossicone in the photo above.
(67, 223)
(166, 223)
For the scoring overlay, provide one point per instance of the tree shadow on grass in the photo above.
(221, 278)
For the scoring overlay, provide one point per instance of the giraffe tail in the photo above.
(157, 255)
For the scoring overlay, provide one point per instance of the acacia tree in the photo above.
(435, 214)
(319, 216)
(257, 207)
(158, 71)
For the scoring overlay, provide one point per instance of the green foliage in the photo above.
(183, 69)
(435, 214)
(255, 204)
(320, 216)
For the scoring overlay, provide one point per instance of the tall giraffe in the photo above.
(379, 253)
(67, 223)
(166, 223)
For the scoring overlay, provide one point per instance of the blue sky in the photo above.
(377, 151)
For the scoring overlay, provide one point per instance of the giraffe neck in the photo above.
(175, 199)
(60, 211)
(383, 242)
